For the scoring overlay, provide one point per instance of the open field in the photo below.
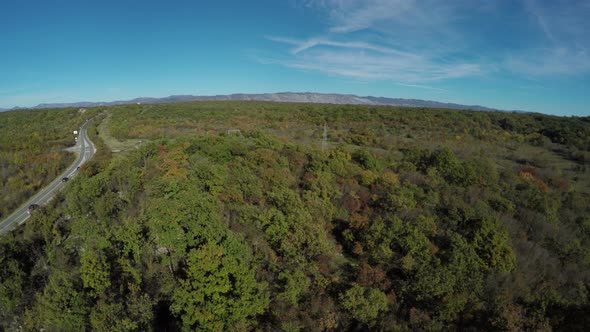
(116, 146)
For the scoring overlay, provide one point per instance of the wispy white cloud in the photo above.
(409, 22)
(381, 40)
(534, 11)
(565, 26)
(550, 61)
(352, 16)
(411, 41)
(365, 61)
(300, 46)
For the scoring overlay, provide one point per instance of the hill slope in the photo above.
(292, 97)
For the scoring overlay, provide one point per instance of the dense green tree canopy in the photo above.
(409, 219)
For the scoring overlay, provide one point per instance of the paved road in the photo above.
(85, 149)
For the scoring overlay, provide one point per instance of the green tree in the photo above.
(296, 283)
(219, 291)
(491, 243)
(60, 307)
(94, 271)
(364, 304)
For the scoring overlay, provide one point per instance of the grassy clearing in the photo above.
(116, 146)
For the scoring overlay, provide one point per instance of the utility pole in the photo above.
(325, 138)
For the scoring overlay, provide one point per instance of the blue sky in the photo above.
(519, 54)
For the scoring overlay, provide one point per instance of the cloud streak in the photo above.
(412, 41)
(550, 61)
(365, 61)
(567, 52)
(360, 42)
(301, 46)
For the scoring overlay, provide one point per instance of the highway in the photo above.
(85, 150)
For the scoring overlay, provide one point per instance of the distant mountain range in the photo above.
(291, 97)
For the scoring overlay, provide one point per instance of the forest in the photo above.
(259, 216)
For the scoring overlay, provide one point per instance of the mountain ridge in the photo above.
(293, 97)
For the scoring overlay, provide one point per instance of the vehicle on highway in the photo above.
(64, 179)
(32, 208)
